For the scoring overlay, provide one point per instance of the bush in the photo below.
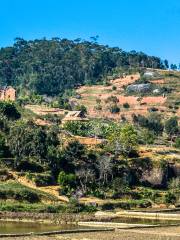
(152, 122)
(146, 137)
(98, 107)
(127, 204)
(114, 109)
(170, 197)
(41, 179)
(26, 195)
(114, 88)
(174, 184)
(16, 192)
(152, 109)
(81, 108)
(77, 128)
(108, 206)
(126, 105)
(9, 110)
(177, 143)
(29, 165)
(112, 99)
(171, 126)
(24, 207)
(67, 181)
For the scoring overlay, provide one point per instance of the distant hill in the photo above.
(51, 66)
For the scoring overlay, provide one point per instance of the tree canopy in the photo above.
(51, 66)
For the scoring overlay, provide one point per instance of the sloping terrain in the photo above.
(166, 103)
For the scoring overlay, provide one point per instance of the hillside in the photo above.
(90, 124)
(164, 99)
(52, 66)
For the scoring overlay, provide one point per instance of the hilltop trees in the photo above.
(52, 66)
(166, 63)
(173, 67)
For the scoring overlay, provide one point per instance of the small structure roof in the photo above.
(75, 116)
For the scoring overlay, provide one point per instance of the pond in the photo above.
(26, 227)
(144, 221)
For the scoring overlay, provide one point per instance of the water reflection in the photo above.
(22, 227)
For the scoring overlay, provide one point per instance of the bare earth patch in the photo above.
(161, 233)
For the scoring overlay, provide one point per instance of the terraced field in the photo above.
(167, 103)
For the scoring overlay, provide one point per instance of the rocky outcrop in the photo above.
(139, 88)
(154, 177)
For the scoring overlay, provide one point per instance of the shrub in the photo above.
(128, 204)
(112, 99)
(9, 110)
(81, 108)
(98, 100)
(77, 128)
(98, 107)
(39, 179)
(152, 122)
(153, 109)
(177, 142)
(108, 206)
(174, 184)
(171, 126)
(67, 181)
(27, 195)
(146, 137)
(170, 197)
(18, 193)
(126, 105)
(114, 88)
(29, 165)
(114, 109)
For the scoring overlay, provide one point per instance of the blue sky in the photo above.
(151, 26)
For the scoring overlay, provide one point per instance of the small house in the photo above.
(74, 116)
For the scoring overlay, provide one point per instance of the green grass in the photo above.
(17, 192)
(36, 207)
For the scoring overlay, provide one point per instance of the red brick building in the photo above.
(7, 94)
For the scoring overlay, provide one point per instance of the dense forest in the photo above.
(51, 66)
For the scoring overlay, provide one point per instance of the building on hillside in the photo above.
(74, 116)
(7, 93)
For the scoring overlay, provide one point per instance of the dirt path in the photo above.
(168, 233)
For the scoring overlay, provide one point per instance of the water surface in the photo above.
(25, 227)
(144, 221)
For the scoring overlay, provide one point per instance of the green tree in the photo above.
(81, 108)
(52, 66)
(27, 140)
(9, 110)
(124, 141)
(171, 126)
(2, 146)
(177, 142)
(67, 181)
(147, 137)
